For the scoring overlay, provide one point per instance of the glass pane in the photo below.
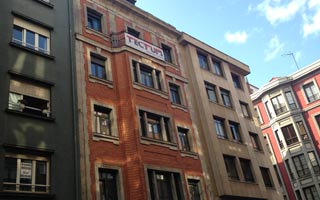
(25, 175)
(17, 35)
(30, 39)
(43, 45)
(10, 173)
(41, 175)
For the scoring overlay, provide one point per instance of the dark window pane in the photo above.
(43, 45)
(17, 35)
(183, 135)
(175, 95)
(194, 189)
(41, 175)
(108, 184)
(94, 20)
(25, 175)
(30, 39)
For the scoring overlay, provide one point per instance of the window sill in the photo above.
(101, 81)
(189, 154)
(258, 150)
(23, 195)
(151, 90)
(50, 119)
(179, 106)
(98, 33)
(32, 51)
(150, 141)
(106, 138)
(50, 5)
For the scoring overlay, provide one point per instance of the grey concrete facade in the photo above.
(37, 139)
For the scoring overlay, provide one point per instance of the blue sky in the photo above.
(256, 32)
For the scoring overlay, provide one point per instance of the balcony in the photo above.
(125, 39)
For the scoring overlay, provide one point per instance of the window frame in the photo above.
(226, 98)
(313, 192)
(290, 100)
(28, 26)
(266, 176)
(314, 161)
(176, 96)
(165, 124)
(235, 131)
(313, 87)
(90, 12)
(289, 134)
(231, 162)
(219, 124)
(185, 139)
(133, 32)
(119, 179)
(246, 167)
(236, 81)
(245, 109)
(114, 136)
(216, 64)
(195, 181)
(211, 90)
(255, 141)
(17, 92)
(301, 167)
(203, 61)
(168, 53)
(279, 107)
(155, 74)
(33, 185)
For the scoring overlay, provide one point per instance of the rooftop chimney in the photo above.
(132, 1)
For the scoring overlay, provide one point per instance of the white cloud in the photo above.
(237, 37)
(311, 23)
(274, 48)
(277, 13)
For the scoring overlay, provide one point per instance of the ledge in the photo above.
(189, 154)
(29, 19)
(48, 4)
(178, 106)
(13, 44)
(94, 79)
(106, 138)
(49, 119)
(22, 195)
(33, 150)
(150, 141)
(150, 90)
(29, 78)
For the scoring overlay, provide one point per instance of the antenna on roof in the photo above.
(292, 55)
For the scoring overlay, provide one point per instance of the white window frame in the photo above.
(114, 137)
(19, 157)
(304, 92)
(38, 30)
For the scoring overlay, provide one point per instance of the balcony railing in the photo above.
(118, 39)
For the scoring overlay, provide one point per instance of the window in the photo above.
(302, 130)
(102, 120)
(94, 20)
(147, 76)
(277, 174)
(301, 165)
(98, 68)
(279, 140)
(269, 110)
(291, 102)
(256, 109)
(217, 69)
(211, 91)
(245, 109)
(267, 143)
(167, 51)
(311, 92)
(220, 127)
(317, 118)
(255, 141)
(165, 185)
(230, 162)
(175, 93)
(289, 168)
(31, 36)
(246, 170)
(298, 194)
(314, 162)
(235, 131)
(279, 105)
(236, 81)
(194, 189)
(29, 98)
(155, 126)
(133, 32)
(289, 135)
(203, 61)
(311, 193)
(108, 184)
(225, 95)
(265, 172)
(24, 173)
(184, 139)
